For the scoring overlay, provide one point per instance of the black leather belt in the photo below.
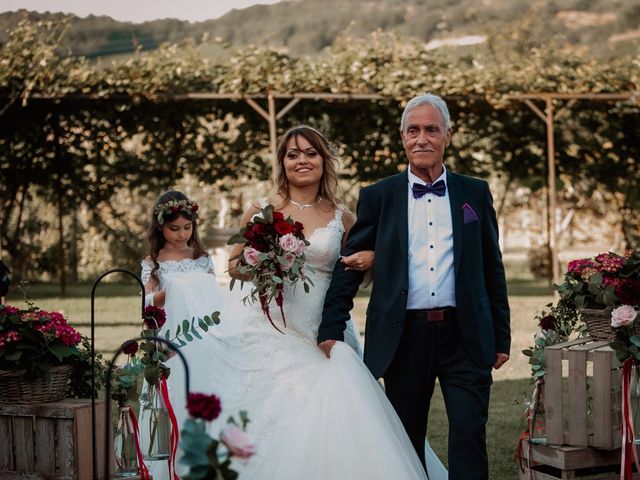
(432, 314)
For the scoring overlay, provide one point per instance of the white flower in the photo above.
(623, 316)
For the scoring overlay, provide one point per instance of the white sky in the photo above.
(135, 10)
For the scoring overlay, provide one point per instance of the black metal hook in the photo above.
(107, 413)
(94, 455)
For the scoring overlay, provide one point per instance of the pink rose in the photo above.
(250, 256)
(289, 242)
(237, 441)
(623, 316)
(289, 258)
(300, 250)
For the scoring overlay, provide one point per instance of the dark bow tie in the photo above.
(439, 188)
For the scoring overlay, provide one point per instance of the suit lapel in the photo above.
(455, 200)
(400, 194)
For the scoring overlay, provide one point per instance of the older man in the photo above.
(438, 308)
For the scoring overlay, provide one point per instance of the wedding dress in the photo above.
(312, 417)
(191, 290)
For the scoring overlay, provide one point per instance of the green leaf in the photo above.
(196, 333)
(188, 337)
(203, 325)
(276, 279)
(185, 326)
(215, 316)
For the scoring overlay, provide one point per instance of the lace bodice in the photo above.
(170, 267)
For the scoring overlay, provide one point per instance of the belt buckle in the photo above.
(434, 315)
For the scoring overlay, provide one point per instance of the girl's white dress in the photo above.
(191, 291)
(312, 417)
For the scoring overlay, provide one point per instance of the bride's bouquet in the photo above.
(273, 255)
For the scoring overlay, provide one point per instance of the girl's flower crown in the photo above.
(175, 206)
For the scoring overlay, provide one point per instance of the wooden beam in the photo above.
(551, 182)
(286, 108)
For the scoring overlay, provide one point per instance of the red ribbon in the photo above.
(629, 451)
(164, 391)
(533, 424)
(142, 468)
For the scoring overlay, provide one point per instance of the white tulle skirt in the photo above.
(313, 417)
(188, 295)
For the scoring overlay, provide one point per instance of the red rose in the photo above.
(628, 291)
(175, 208)
(282, 227)
(548, 322)
(203, 406)
(277, 216)
(297, 229)
(260, 230)
(194, 208)
(130, 348)
(154, 317)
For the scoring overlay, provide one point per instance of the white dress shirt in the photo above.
(431, 271)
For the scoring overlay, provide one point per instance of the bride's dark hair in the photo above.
(329, 180)
(155, 236)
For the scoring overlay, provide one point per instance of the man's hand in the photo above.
(501, 359)
(361, 261)
(326, 347)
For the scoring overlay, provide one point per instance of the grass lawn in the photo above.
(117, 319)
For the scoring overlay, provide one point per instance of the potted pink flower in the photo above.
(599, 284)
(37, 351)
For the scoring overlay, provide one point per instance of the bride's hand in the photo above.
(326, 347)
(359, 261)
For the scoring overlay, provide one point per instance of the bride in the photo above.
(312, 417)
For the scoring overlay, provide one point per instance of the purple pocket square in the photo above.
(468, 214)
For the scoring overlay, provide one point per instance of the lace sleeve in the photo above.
(145, 275)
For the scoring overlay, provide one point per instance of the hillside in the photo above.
(600, 27)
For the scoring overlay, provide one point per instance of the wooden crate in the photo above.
(564, 462)
(50, 440)
(591, 416)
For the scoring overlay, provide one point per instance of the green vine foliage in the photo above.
(77, 132)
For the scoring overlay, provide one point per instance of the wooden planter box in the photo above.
(583, 407)
(564, 462)
(50, 440)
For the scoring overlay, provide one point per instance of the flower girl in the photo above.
(179, 276)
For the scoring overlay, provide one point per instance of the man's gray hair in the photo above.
(426, 99)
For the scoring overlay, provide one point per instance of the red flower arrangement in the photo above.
(273, 255)
(35, 340)
(201, 452)
(606, 280)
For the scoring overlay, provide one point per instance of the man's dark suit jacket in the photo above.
(481, 290)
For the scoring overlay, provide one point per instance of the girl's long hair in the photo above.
(156, 238)
(329, 180)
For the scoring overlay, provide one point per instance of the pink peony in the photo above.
(289, 243)
(623, 316)
(250, 256)
(237, 441)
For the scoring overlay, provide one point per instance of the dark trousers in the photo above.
(430, 350)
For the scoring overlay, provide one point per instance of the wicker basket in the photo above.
(599, 324)
(16, 389)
